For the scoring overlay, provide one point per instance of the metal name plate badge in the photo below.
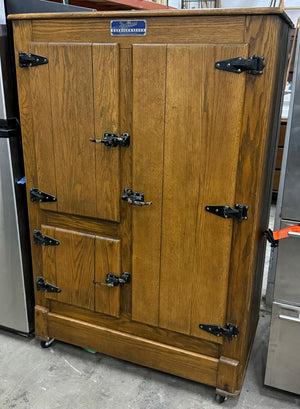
(128, 27)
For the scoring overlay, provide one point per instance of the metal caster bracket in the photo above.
(220, 399)
(47, 344)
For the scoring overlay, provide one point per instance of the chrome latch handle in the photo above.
(112, 140)
(134, 198)
(113, 280)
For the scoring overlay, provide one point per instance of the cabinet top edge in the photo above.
(150, 13)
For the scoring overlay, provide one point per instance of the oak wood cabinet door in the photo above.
(78, 266)
(184, 125)
(180, 122)
(75, 99)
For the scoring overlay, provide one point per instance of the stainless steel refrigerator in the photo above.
(16, 287)
(283, 362)
(16, 295)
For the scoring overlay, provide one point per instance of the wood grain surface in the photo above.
(81, 224)
(22, 38)
(125, 323)
(107, 261)
(106, 82)
(162, 13)
(260, 129)
(42, 131)
(74, 262)
(196, 245)
(164, 357)
(63, 148)
(49, 261)
(159, 30)
(148, 133)
(71, 82)
(126, 172)
(41, 322)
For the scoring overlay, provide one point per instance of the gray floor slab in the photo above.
(67, 377)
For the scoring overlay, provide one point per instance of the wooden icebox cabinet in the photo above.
(149, 142)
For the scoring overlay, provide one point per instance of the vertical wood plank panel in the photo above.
(200, 164)
(224, 109)
(259, 137)
(149, 65)
(106, 105)
(107, 260)
(72, 102)
(126, 172)
(42, 125)
(49, 260)
(22, 36)
(75, 267)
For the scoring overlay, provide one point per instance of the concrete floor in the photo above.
(67, 377)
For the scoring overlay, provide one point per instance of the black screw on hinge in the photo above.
(38, 196)
(39, 238)
(253, 65)
(229, 332)
(239, 212)
(31, 60)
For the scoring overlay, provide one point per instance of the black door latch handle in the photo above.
(113, 280)
(112, 140)
(134, 198)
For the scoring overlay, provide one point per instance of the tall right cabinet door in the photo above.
(187, 119)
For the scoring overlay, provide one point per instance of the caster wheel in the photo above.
(220, 398)
(47, 344)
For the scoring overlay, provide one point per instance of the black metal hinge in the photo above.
(229, 332)
(134, 198)
(9, 128)
(253, 65)
(112, 140)
(239, 211)
(270, 237)
(31, 60)
(113, 280)
(37, 196)
(39, 238)
(41, 285)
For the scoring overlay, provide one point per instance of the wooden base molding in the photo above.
(197, 367)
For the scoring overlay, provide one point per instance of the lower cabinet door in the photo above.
(79, 266)
(283, 363)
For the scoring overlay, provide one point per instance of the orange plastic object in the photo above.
(283, 233)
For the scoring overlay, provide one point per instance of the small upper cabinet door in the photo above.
(75, 98)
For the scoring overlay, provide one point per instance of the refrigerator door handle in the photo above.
(288, 317)
(294, 234)
(9, 128)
